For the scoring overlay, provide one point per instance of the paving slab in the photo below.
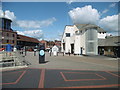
(59, 78)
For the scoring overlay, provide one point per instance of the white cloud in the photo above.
(32, 33)
(112, 5)
(8, 14)
(27, 23)
(35, 24)
(70, 1)
(84, 15)
(20, 32)
(1, 13)
(105, 11)
(110, 23)
(89, 15)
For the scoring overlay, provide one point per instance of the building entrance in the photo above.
(72, 48)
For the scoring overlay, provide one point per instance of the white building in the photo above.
(55, 50)
(82, 39)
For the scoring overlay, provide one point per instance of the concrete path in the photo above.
(64, 72)
(73, 62)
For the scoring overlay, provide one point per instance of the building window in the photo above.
(8, 34)
(2, 24)
(109, 50)
(67, 34)
(13, 35)
(7, 41)
(13, 41)
(0, 33)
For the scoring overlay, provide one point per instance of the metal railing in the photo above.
(9, 59)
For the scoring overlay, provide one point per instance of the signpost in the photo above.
(42, 54)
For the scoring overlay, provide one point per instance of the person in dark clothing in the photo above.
(69, 52)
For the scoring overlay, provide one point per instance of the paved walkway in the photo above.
(64, 72)
(73, 62)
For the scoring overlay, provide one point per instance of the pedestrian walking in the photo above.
(50, 51)
(35, 52)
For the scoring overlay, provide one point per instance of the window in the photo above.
(13, 41)
(109, 50)
(13, 35)
(7, 41)
(67, 34)
(2, 24)
(8, 34)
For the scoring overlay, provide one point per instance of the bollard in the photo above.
(63, 53)
(34, 53)
(50, 53)
(25, 52)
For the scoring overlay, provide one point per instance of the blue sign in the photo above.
(42, 52)
(8, 48)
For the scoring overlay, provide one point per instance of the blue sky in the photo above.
(48, 19)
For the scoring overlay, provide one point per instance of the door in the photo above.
(72, 48)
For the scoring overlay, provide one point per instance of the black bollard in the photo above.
(63, 53)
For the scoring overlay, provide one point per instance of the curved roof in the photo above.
(87, 26)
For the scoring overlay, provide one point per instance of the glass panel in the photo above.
(91, 34)
(91, 47)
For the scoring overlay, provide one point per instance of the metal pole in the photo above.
(50, 53)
